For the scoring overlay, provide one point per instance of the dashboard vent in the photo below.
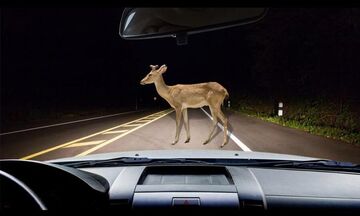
(185, 175)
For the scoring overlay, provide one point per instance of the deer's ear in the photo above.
(162, 69)
(154, 67)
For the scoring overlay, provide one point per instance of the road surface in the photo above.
(151, 130)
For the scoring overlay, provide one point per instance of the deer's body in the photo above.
(183, 96)
(193, 95)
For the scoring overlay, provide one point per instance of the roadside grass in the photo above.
(316, 118)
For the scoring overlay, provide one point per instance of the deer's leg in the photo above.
(224, 120)
(178, 119)
(213, 127)
(186, 123)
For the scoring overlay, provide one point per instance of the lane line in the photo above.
(85, 143)
(232, 136)
(116, 131)
(121, 135)
(74, 141)
(144, 120)
(147, 119)
(66, 123)
(132, 125)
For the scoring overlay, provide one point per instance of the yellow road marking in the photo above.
(151, 117)
(159, 114)
(121, 135)
(85, 143)
(116, 131)
(77, 140)
(144, 120)
(131, 125)
(147, 119)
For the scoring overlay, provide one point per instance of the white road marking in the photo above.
(232, 136)
(65, 123)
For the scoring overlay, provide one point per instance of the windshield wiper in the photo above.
(131, 161)
(140, 161)
(310, 164)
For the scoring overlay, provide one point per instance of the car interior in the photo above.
(146, 184)
(51, 186)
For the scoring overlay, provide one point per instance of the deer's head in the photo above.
(154, 74)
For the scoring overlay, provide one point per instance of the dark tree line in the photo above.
(308, 53)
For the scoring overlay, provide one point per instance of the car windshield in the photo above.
(286, 84)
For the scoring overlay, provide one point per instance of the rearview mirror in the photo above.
(147, 23)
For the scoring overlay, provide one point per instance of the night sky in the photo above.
(75, 58)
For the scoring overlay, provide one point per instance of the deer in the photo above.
(183, 96)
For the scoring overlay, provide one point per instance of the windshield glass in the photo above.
(287, 84)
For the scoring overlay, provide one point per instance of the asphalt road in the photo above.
(151, 130)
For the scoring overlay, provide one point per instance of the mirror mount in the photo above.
(181, 38)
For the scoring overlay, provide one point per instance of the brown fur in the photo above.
(183, 96)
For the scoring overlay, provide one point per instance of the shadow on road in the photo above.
(204, 116)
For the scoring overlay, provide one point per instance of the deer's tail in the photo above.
(226, 93)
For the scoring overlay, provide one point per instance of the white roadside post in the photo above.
(280, 110)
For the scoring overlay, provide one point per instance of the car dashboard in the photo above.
(183, 187)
